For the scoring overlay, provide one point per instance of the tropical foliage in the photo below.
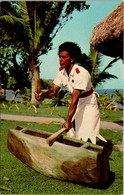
(46, 84)
(92, 63)
(119, 98)
(26, 97)
(29, 32)
(14, 74)
(62, 98)
(106, 102)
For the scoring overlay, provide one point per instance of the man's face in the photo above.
(64, 59)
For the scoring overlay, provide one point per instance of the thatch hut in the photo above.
(107, 36)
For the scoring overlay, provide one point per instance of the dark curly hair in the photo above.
(72, 48)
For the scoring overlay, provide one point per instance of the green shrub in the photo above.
(106, 102)
(119, 98)
(26, 96)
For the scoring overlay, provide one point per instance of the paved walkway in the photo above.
(104, 124)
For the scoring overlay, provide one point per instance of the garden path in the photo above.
(104, 124)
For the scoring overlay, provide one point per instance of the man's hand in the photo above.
(67, 126)
(39, 96)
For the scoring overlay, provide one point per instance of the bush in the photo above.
(2, 97)
(119, 97)
(106, 102)
(46, 84)
(62, 98)
(26, 96)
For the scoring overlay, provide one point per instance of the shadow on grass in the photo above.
(105, 186)
(108, 148)
(110, 180)
(98, 186)
(119, 122)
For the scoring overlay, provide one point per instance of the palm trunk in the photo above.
(35, 84)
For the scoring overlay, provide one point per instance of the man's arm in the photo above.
(72, 108)
(48, 94)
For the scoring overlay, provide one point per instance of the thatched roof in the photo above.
(107, 36)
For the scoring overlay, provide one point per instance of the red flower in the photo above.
(77, 70)
(61, 68)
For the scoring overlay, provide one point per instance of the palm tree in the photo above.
(30, 26)
(92, 63)
(62, 98)
(119, 98)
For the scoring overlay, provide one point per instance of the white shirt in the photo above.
(79, 78)
(87, 121)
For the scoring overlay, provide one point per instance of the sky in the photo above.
(79, 30)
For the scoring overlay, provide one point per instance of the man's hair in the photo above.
(72, 48)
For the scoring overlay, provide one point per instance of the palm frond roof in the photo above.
(107, 36)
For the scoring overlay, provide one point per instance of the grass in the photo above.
(45, 110)
(17, 178)
(110, 115)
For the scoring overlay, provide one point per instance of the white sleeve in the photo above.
(58, 80)
(82, 80)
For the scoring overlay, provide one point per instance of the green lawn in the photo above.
(17, 178)
(45, 110)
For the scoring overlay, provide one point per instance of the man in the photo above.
(83, 109)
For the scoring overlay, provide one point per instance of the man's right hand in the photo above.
(39, 96)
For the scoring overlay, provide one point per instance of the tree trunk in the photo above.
(35, 84)
(67, 159)
(4, 93)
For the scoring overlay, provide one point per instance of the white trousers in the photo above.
(87, 120)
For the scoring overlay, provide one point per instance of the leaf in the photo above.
(5, 188)
(6, 178)
(35, 109)
(4, 105)
(110, 64)
(17, 107)
(48, 122)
